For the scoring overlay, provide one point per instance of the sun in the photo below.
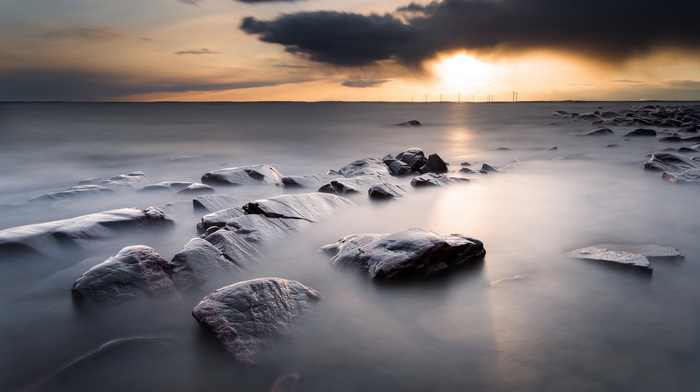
(462, 72)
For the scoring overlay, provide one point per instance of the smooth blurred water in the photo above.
(528, 318)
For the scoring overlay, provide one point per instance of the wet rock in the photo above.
(260, 229)
(614, 256)
(219, 218)
(465, 164)
(243, 175)
(690, 176)
(234, 248)
(561, 114)
(51, 238)
(670, 139)
(399, 168)
(198, 263)
(363, 167)
(410, 253)
(311, 181)
(599, 132)
(386, 191)
(247, 316)
(432, 179)
(346, 186)
(642, 132)
(196, 189)
(669, 162)
(410, 123)
(214, 203)
(486, 168)
(76, 192)
(166, 186)
(647, 250)
(466, 170)
(312, 207)
(413, 157)
(136, 271)
(434, 164)
(555, 148)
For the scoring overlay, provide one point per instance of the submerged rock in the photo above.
(166, 186)
(136, 271)
(642, 132)
(243, 175)
(196, 189)
(75, 192)
(51, 238)
(407, 254)
(664, 161)
(614, 256)
(410, 123)
(599, 132)
(347, 186)
(247, 316)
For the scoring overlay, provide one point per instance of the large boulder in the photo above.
(413, 157)
(52, 238)
(198, 263)
(434, 164)
(247, 316)
(136, 271)
(406, 254)
(243, 175)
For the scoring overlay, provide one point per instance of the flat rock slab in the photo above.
(247, 316)
(312, 207)
(646, 250)
(198, 262)
(347, 186)
(50, 238)
(363, 167)
(614, 256)
(406, 254)
(214, 203)
(136, 271)
(243, 175)
(432, 179)
(76, 192)
(665, 161)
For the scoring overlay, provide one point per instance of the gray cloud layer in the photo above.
(606, 30)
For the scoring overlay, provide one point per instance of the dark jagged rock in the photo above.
(214, 203)
(51, 238)
(312, 207)
(198, 262)
(136, 271)
(386, 191)
(196, 189)
(599, 132)
(434, 164)
(432, 179)
(466, 170)
(410, 253)
(243, 175)
(247, 316)
(410, 123)
(259, 229)
(465, 164)
(219, 218)
(311, 181)
(399, 168)
(413, 157)
(555, 148)
(75, 192)
(642, 132)
(486, 168)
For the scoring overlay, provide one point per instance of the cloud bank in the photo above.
(610, 31)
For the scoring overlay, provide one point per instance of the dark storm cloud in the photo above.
(197, 51)
(69, 85)
(606, 30)
(364, 83)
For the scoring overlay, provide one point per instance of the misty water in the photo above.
(527, 318)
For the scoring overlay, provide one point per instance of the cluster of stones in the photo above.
(683, 117)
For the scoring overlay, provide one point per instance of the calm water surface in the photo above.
(528, 318)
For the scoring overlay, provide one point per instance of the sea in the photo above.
(526, 318)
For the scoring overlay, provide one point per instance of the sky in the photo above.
(349, 50)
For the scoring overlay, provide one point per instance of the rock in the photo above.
(642, 132)
(399, 168)
(346, 186)
(133, 180)
(75, 192)
(599, 132)
(466, 170)
(247, 316)
(619, 257)
(671, 139)
(219, 218)
(306, 181)
(434, 164)
(589, 117)
(432, 179)
(234, 248)
(196, 189)
(312, 207)
(407, 254)
(413, 157)
(198, 263)
(561, 114)
(364, 167)
(669, 162)
(691, 176)
(243, 175)
(465, 164)
(410, 123)
(486, 168)
(166, 186)
(386, 191)
(52, 238)
(647, 250)
(555, 148)
(214, 203)
(259, 229)
(136, 271)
